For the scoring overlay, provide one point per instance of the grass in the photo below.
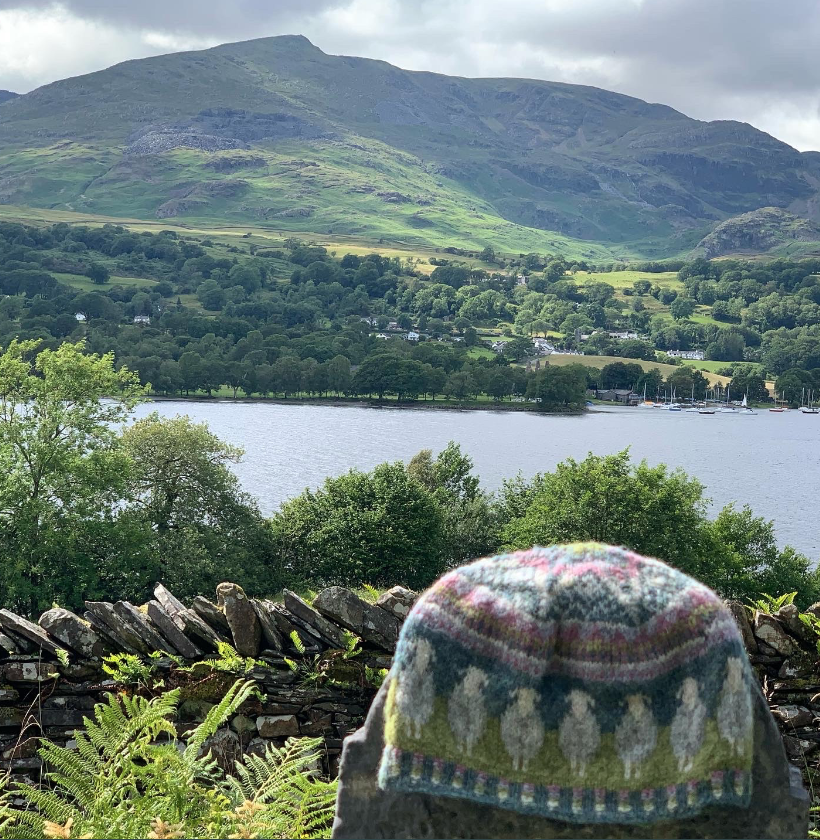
(78, 281)
(601, 361)
(620, 280)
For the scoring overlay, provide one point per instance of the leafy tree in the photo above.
(379, 528)
(338, 374)
(747, 381)
(609, 500)
(682, 307)
(203, 528)
(745, 560)
(62, 472)
(470, 522)
(558, 386)
(621, 375)
(518, 348)
(98, 273)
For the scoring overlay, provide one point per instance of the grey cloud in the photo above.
(228, 18)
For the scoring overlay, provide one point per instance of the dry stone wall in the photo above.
(51, 671)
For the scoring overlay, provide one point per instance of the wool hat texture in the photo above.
(581, 682)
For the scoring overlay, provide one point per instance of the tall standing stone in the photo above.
(242, 619)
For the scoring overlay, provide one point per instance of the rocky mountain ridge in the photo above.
(521, 161)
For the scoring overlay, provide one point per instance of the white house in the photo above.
(79, 316)
(142, 319)
(382, 336)
(694, 355)
(412, 336)
(623, 335)
(543, 347)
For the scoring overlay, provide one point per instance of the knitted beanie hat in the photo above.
(580, 682)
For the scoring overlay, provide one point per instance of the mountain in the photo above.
(276, 132)
(7, 94)
(758, 232)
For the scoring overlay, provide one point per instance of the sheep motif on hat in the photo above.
(521, 728)
(583, 683)
(686, 733)
(466, 711)
(417, 692)
(734, 714)
(636, 735)
(579, 735)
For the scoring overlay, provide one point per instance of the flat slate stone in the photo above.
(372, 623)
(27, 671)
(211, 614)
(329, 633)
(102, 616)
(270, 632)
(31, 631)
(246, 629)
(741, 615)
(7, 644)
(166, 625)
(73, 632)
(277, 726)
(187, 620)
(768, 630)
(171, 604)
(288, 623)
(141, 627)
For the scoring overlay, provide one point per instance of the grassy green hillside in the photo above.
(277, 134)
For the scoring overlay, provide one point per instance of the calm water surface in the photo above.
(769, 461)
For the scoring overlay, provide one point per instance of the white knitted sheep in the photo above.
(522, 730)
(466, 710)
(579, 735)
(688, 725)
(416, 690)
(636, 735)
(734, 714)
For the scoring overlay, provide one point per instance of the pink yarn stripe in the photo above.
(445, 621)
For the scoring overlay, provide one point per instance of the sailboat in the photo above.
(728, 408)
(646, 403)
(778, 409)
(809, 407)
(745, 406)
(692, 407)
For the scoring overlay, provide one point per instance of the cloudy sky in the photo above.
(750, 60)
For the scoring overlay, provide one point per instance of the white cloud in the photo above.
(751, 60)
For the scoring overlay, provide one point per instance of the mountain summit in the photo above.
(274, 131)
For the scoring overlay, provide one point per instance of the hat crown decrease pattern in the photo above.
(583, 682)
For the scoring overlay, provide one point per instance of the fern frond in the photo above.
(278, 795)
(236, 695)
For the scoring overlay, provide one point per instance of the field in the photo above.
(78, 281)
(601, 361)
(620, 280)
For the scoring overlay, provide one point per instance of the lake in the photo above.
(769, 461)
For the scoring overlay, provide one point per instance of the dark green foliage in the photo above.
(380, 528)
(658, 513)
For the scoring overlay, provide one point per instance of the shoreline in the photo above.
(337, 402)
